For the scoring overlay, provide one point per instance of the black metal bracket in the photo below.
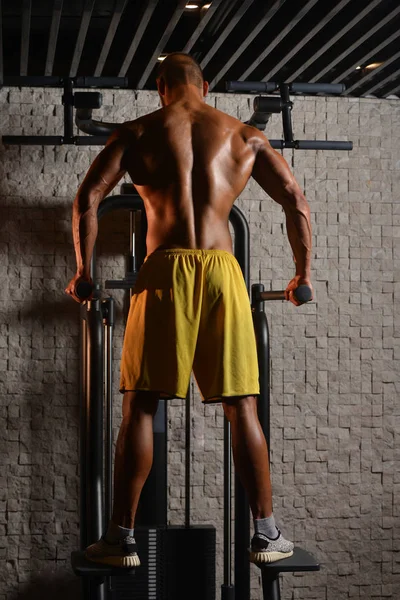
(84, 102)
(264, 106)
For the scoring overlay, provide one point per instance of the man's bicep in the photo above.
(272, 173)
(106, 170)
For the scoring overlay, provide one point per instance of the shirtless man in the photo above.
(189, 162)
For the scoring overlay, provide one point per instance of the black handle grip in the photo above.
(303, 294)
(84, 290)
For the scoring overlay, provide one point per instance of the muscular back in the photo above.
(189, 162)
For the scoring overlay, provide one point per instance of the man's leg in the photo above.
(250, 455)
(133, 455)
(133, 460)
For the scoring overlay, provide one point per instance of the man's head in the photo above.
(177, 70)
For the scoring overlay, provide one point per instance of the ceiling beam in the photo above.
(312, 33)
(354, 46)
(25, 33)
(54, 27)
(383, 82)
(80, 41)
(201, 25)
(141, 28)
(161, 44)
(115, 19)
(393, 90)
(332, 40)
(233, 21)
(371, 75)
(278, 38)
(364, 59)
(247, 41)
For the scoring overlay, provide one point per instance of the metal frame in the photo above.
(161, 44)
(306, 39)
(112, 28)
(141, 28)
(353, 47)
(54, 27)
(334, 39)
(278, 38)
(80, 40)
(233, 21)
(247, 41)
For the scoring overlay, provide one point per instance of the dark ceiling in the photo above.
(255, 40)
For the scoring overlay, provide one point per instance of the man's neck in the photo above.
(187, 92)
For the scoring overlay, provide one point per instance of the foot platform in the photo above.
(301, 560)
(87, 568)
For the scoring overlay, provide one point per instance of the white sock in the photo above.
(266, 527)
(116, 532)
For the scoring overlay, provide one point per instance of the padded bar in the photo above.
(33, 140)
(269, 105)
(121, 82)
(251, 86)
(311, 145)
(317, 88)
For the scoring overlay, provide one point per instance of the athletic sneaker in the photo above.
(121, 554)
(264, 550)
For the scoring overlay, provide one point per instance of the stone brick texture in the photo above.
(335, 434)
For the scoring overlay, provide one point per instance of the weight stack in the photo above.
(190, 562)
(177, 563)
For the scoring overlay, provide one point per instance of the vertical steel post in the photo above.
(242, 518)
(82, 428)
(94, 588)
(108, 320)
(263, 352)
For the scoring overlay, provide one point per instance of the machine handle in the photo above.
(302, 294)
(84, 290)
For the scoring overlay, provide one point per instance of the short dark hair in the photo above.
(179, 68)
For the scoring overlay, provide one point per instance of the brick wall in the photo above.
(335, 416)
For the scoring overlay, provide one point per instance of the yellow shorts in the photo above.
(190, 309)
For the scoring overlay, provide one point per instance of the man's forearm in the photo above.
(298, 227)
(84, 230)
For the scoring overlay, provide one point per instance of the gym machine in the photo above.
(166, 571)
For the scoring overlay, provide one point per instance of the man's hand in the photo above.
(71, 288)
(293, 285)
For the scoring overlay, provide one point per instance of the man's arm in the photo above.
(103, 175)
(272, 173)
